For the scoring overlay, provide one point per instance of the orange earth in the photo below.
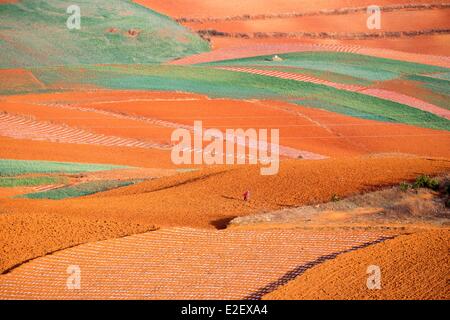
(301, 128)
(204, 199)
(361, 155)
(392, 21)
(412, 267)
(180, 263)
(205, 8)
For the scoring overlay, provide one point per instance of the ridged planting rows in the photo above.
(22, 127)
(182, 263)
(378, 93)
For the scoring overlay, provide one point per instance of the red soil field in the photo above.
(133, 128)
(412, 267)
(348, 23)
(185, 194)
(412, 89)
(392, 21)
(179, 264)
(43, 150)
(16, 79)
(374, 92)
(203, 199)
(426, 45)
(21, 127)
(11, 192)
(301, 128)
(256, 47)
(205, 8)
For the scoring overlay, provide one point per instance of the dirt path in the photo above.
(182, 263)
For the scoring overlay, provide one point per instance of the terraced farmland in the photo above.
(87, 176)
(224, 83)
(382, 94)
(20, 127)
(182, 263)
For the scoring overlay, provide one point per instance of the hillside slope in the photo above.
(34, 33)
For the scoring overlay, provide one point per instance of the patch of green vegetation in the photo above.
(439, 86)
(11, 168)
(10, 182)
(424, 181)
(350, 64)
(404, 186)
(37, 34)
(324, 75)
(443, 75)
(80, 190)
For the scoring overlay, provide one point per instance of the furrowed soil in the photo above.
(204, 8)
(412, 266)
(206, 199)
(149, 118)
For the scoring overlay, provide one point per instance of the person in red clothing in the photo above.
(246, 195)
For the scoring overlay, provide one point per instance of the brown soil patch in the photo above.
(412, 267)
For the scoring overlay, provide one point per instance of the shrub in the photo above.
(335, 198)
(404, 186)
(424, 181)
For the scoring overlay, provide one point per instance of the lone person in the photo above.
(246, 195)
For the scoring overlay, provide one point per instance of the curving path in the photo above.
(182, 263)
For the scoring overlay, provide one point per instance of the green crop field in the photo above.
(34, 33)
(441, 86)
(324, 75)
(80, 190)
(9, 182)
(348, 64)
(11, 168)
